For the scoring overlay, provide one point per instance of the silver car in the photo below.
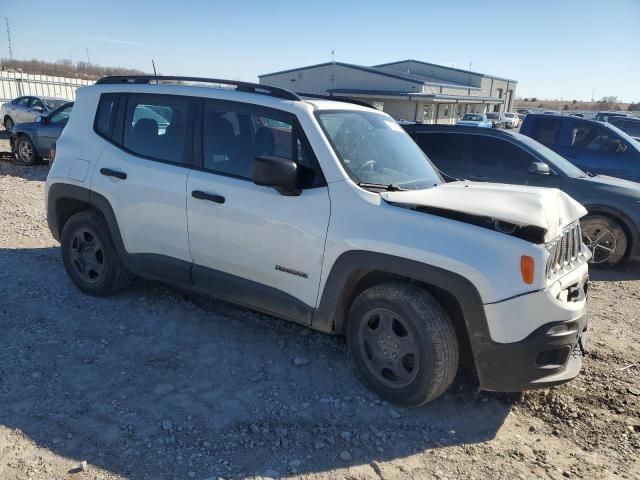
(26, 109)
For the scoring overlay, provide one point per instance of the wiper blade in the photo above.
(390, 187)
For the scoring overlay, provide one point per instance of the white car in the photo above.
(512, 120)
(324, 213)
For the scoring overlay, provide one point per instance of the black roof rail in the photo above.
(240, 86)
(335, 99)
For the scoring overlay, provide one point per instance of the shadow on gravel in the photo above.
(33, 173)
(626, 272)
(155, 384)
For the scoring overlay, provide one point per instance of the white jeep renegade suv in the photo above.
(324, 213)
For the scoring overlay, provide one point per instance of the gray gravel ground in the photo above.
(156, 383)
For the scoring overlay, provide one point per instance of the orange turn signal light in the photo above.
(527, 268)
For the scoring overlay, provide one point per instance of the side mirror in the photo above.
(39, 119)
(539, 168)
(37, 108)
(277, 172)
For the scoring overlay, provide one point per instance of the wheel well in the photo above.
(361, 280)
(616, 218)
(66, 207)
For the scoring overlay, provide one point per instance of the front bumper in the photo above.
(551, 353)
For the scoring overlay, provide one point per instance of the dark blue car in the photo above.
(32, 141)
(595, 147)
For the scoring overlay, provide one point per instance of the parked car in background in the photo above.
(612, 227)
(215, 204)
(629, 125)
(475, 120)
(523, 111)
(593, 146)
(581, 115)
(512, 120)
(32, 141)
(607, 116)
(26, 109)
(497, 119)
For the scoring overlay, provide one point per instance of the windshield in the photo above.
(508, 115)
(556, 161)
(373, 148)
(53, 104)
(472, 118)
(492, 116)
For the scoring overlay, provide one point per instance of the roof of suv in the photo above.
(217, 88)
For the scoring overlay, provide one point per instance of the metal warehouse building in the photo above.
(406, 90)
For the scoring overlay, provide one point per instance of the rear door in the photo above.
(544, 129)
(597, 149)
(445, 150)
(142, 172)
(249, 243)
(20, 110)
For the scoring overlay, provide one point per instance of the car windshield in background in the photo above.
(558, 162)
(509, 115)
(472, 118)
(374, 149)
(52, 104)
(492, 116)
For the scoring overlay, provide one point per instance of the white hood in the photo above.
(547, 208)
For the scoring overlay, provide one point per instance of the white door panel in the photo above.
(256, 230)
(149, 205)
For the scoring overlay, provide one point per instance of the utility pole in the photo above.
(6, 21)
(333, 55)
(88, 59)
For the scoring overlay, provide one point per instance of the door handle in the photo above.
(107, 172)
(212, 197)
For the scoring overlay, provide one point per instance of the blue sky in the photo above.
(555, 49)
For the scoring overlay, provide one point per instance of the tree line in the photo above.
(66, 68)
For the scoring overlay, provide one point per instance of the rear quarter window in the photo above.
(106, 114)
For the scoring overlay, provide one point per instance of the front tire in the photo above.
(90, 257)
(402, 343)
(26, 153)
(606, 239)
(8, 123)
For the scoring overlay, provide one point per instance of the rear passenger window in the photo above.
(155, 127)
(445, 147)
(232, 139)
(105, 117)
(546, 130)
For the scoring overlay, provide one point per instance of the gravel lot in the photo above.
(157, 383)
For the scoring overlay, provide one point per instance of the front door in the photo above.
(50, 129)
(251, 244)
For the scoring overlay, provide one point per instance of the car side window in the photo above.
(35, 102)
(106, 114)
(443, 149)
(232, 139)
(499, 154)
(61, 116)
(155, 127)
(546, 130)
(586, 136)
(22, 102)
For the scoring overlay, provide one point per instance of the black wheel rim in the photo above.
(87, 255)
(25, 151)
(388, 347)
(601, 241)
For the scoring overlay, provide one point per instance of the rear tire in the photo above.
(606, 239)
(90, 256)
(402, 343)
